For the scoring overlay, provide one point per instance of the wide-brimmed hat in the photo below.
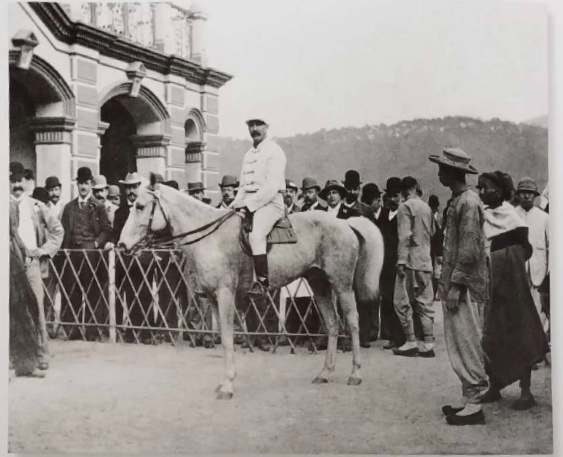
(352, 179)
(228, 181)
(195, 186)
(454, 158)
(309, 183)
(16, 171)
(52, 181)
(83, 175)
(131, 179)
(528, 185)
(289, 184)
(113, 191)
(393, 185)
(333, 184)
(99, 182)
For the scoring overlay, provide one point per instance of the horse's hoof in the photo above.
(224, 395)
(320, 380)
(354, 381)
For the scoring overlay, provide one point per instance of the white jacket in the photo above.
(538, 235)
(262, 175)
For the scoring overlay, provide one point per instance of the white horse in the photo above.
(337, 257)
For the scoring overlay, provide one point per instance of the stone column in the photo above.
(194, 151)
(151, 154)
(163, 30)
(53, 150)
(198, 35)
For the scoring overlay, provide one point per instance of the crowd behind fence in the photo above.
(106, 295)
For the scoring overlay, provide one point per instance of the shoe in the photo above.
(523, 403)
(390, 345)
(365, 344)
(490, 396)
(264, 346)
(43, 365)
(448, 410)
(477, 418)
(427, 354)
(413, 352)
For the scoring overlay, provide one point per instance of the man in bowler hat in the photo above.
(229, 186)
(352, 184)
(310, 190)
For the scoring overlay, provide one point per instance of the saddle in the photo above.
(282, 233)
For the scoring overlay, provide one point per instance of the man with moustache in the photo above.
(40, 235)
(352, 184)
(310, 190)
(87, 229)
(289, 197)
(391, 328)
(100, 191)
(53, 187)
(228, 185)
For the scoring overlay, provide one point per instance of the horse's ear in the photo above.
(152, 180)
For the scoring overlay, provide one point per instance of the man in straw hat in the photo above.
(537, 220)
(100, 190)
(310, 190)
(463, 286)
(229, 186)
(262, 184)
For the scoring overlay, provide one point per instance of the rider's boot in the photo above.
(259, 289)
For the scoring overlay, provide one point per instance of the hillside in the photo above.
(381, 151)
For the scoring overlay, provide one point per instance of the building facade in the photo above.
(117, 87)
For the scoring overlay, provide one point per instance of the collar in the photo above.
(84, 200)
(349, 205)
(457, 194)
(335, 209)
(392, 214)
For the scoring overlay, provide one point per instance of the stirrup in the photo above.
(257, 291)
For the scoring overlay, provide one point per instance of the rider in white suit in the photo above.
(262, 184)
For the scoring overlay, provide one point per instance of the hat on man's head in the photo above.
(433, 201)
(228, 181)
(333, 184)
(83, 175)
(408, 182)
(454, 158)
(52, 181)
(99, 182)
(132, 179)
(310, 183)
(113, 191)
(289, 184)
(528, 185)
(370, 192)
(28, 174)
(16, 171)
(352, 179)
(259, 120)
(172, 183)
(195, 186)
(158, 178)
(41, 194)
(393, 185)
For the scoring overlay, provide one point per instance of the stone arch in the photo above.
(194, 126)
(147, 110)
(49, 91)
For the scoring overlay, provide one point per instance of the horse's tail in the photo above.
(370, 259)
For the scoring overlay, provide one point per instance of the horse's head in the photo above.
(146, 216)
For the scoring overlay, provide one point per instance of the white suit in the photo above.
(262, 182)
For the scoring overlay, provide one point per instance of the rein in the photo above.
(169, 241)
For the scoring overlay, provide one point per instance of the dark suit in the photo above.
(87, 229)
(390, 326)
(311, 206)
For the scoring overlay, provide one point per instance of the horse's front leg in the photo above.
(226, 307)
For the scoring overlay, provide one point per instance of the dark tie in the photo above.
(81, 205)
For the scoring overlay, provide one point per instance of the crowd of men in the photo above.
(429, 254)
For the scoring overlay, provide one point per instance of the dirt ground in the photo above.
(124, 398)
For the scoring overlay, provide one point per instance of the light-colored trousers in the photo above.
(415, 289)
(463, 331)
(264, 220)
(33, 273)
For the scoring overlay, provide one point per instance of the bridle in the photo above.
(162, 239)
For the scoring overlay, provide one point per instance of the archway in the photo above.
(132, 120)
(22, 111)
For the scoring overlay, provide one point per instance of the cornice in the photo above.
(108, 44)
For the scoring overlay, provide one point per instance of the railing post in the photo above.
(112, 319)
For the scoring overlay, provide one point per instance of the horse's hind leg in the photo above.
(347, 302)
(323, 297)
(226, 307)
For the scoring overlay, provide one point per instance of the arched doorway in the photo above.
(132, 122)
(22, 111)
(117, 156)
